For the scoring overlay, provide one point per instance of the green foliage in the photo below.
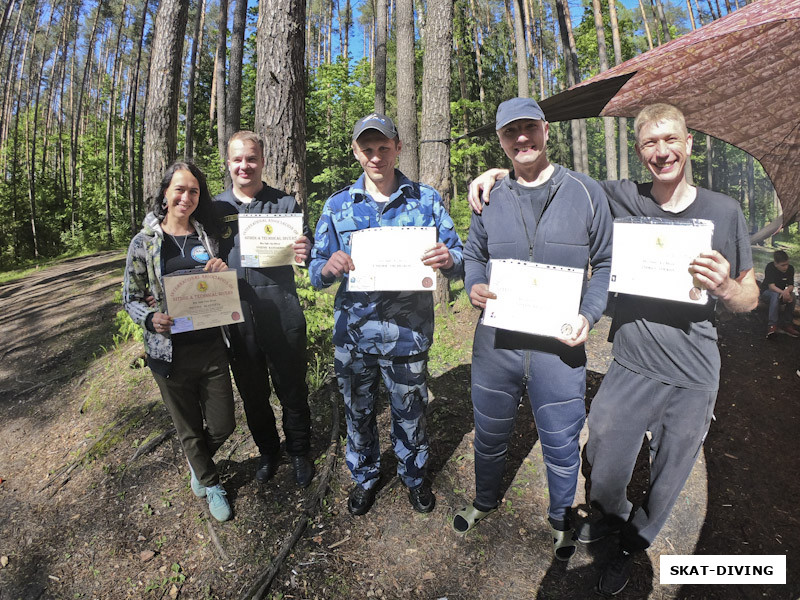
(126, 328)
(334, 102)
(318, 310)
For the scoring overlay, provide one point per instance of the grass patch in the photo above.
(26, 267)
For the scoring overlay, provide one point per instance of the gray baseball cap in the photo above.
(518, 108)
(377, 122)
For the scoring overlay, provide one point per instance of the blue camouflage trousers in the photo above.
(405, 380)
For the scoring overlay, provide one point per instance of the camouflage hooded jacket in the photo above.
(385, 323)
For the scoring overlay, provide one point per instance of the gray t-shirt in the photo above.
(675, 342)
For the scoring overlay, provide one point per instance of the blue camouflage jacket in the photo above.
(385, 323)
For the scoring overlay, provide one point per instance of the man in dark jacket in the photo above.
(271, 343)
(544, 213)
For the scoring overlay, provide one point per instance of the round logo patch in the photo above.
(427, 282)
(202, 286)
(200, 254)
(695, 292)
(268, 229)
(235, 316)
(566, 329)
(227, 233)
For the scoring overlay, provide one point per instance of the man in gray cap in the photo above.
(382, 334)
(540, 212)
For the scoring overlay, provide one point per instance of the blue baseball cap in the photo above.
(517, 108)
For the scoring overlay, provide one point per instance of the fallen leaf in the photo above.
(173, 592)
(146, 555)
(428, 576)
(3, 561)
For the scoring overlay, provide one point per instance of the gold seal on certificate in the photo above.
(266, 239)
(651, 257)
(199, 300)
(389, 259)
(533, 297)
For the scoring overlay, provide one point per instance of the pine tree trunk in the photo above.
(523, 86)
(234, 97)
(580, 150)
(197, 43)
(608, 122)
(161, 111)
(219, 77)
(76, 122)
(133, 196)
(110, 123)
(407, 90)
(622, 122)
(663, 20)
(280, 93)
(435, 151)
(646, 26)
(380, 58)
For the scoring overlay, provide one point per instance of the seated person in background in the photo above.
(777, 290)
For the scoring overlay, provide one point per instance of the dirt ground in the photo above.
(92, 509)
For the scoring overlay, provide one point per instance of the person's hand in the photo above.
(713, 272)
(215, 265)
(302, 250)
(161, 322)
(338, 264)
(150, 299)
(479, 294)
(438, 257)
(786, 295)
(481, 187)
(579, 334)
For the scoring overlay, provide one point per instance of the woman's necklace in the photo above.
(181, 247)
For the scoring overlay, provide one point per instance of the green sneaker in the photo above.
(217, 503)
(198, 489)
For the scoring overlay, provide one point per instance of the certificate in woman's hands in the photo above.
(199, 300)
(267, 239)
(533, 297)
(389, 259)
(651, 257)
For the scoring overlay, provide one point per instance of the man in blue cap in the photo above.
(382, 333)
(540, 212)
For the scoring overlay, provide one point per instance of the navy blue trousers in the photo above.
(556, 389)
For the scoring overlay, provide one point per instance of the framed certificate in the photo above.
(534, 297)
(390, 259)
(199, 300)
(266, 239)
(651, 257)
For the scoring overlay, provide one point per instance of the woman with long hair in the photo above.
(190, 368)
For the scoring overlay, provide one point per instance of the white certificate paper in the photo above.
(266, 239)
(199, 300)
(651, 257)
(534, 297)
(389, 259)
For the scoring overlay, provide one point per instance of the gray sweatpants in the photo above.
(626, 406)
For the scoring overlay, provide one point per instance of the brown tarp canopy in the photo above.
(737, 79)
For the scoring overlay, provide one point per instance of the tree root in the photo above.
(259, 588)
(152, 444)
